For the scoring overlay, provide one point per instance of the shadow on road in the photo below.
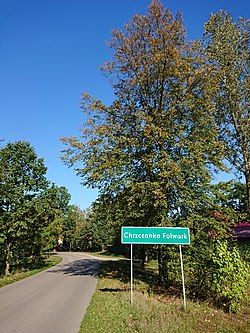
(79, 267)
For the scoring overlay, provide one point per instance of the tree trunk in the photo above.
(6, 261)
(160, 270)
(143, 256)
(162, 267)
(7, 267)
(247, 177)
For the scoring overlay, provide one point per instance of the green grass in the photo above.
(45, 263)
(110, 310)
(106, 255)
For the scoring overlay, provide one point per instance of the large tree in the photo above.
(227, 47)
(22, 178)
(156, 141)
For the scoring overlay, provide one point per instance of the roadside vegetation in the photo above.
(153, 310)
(106, 255)
(31, 208)
(31, 269)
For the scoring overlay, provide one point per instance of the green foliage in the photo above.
(71, 223)
(22, 179)
(214, 271)
(156, 142)
(30, 269)
(83, 238)
(206, 227)
(80, 230)
(229, 276)
(179, 111)
(56, 204)
(27, 206)
(111, 312)
(227, 47)
(231, 194)
(244, 250)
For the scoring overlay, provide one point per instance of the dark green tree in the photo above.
(56, 205)
(22, 178)
(231, 194)
(227, 47)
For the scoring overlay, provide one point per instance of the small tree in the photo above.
(229, 277)
(56, 206)
(73, 221)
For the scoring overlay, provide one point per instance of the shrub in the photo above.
(229, 276)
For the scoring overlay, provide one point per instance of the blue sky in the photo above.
(51, 51)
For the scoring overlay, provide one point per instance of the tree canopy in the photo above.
(227, 48)
(22, 178)
(180, 109)
(28, 205)
(157, 138)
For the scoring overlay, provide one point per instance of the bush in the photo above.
(229, 276)
(215, 271)
(244, 250)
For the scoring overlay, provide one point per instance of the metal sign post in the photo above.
(131, 274)
(183, 281)
(155, 235)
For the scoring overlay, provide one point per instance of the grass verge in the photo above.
(106, 255)
(110, 310)
(45, 263)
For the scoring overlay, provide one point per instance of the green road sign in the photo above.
(155, 235)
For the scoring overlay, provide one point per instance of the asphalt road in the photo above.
(53, 301)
